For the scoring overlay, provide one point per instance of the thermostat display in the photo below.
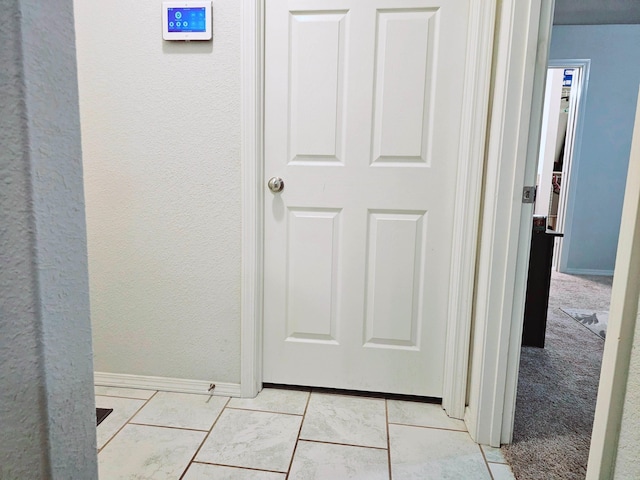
(188, 20)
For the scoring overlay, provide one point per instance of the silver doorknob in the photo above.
(275, 184)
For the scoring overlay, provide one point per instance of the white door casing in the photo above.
(582, 68)
(520, 66)
(375, 114)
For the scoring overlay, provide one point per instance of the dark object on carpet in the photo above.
(557, 387)
(538, 283)
(597, 322)
(101, 414)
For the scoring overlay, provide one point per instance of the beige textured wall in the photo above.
(161, 146)
(628, 459)
(47, 416)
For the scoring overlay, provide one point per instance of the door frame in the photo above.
(252, 167)
(567, 200)
(520, 66)
(499, 61)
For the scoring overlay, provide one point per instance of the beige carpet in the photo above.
(558, 385)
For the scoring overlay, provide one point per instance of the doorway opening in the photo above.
(560, 381)
(561, 131)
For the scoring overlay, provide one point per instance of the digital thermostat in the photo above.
(188, 20)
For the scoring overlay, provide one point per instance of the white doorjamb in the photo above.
(251, 158)
(623, 315)
(467, 209)
(543, 42)
(565, 209)
(520, 64)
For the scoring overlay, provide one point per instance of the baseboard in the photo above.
(586, 271)
(166, 384)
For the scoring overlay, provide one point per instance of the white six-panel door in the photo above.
(363, 113)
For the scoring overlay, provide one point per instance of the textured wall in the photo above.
(161, 143)
(628, 457)
(47, 415)
(599, 174)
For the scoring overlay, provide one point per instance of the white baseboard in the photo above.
(165, 384)
(586, 271)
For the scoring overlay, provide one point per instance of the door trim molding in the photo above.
(520, 65)
(475, 103)
(574, 166)
(251, 159)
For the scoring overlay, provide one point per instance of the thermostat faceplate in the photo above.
(188, 20)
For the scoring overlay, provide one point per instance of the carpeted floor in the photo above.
(558, 385)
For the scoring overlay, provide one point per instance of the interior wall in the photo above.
(47, 415)
(599, 172)
(161, 144)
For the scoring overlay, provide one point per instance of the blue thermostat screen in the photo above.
(186, 19)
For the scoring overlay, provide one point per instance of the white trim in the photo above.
(520, 46)
(165, 384)
(252, 203)
(473, 131)
(545, 19)
(544, 15)
(567, 226)
(623, 312)
(587, 271)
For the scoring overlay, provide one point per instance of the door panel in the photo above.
(317, 83)
(311, 286)
(395, 279)
(404, 63)
(363, 102)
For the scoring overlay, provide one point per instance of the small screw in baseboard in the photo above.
(211, 387)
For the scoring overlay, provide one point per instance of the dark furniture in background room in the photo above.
(538, 283)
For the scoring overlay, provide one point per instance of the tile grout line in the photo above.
(251, 469)
(128, 420)
(386, 414)
(188, 429)
(265, 411)
(204, 439)
(325, 442)
(295, 447)
(426, 426)
(493, 461)
(486, 462)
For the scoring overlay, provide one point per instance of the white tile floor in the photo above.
(284, 434)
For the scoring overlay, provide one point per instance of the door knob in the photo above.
(275, 184)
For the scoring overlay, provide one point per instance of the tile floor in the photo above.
(284, 434)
